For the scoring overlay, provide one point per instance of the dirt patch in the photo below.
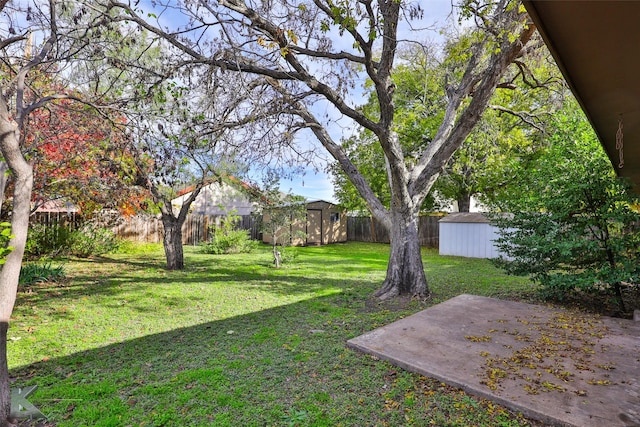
(373, 304)
(604, 304)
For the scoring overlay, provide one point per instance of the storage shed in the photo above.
(468, 234)
(326, 223)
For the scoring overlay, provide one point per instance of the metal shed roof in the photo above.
(466, 217)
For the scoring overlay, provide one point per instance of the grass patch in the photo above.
(232, 341)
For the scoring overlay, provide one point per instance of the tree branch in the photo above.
(6, 42)
(303, 74)
(525, 116)
(338, 153)
(437, 155)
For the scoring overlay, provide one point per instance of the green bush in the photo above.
(225, 239)
(582, 237)
(91, 240)
(36, 273)
(58, 240)
(573, 226)
(48, 241)
(5, 237)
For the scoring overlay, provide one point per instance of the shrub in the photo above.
(49, 240)
(91, 241)
(225, 239)
(572, 228)
(36, 273)
(56, 240)
(5, 237)
(583, 238)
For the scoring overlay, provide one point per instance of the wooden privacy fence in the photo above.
(148, 228)
(195, 230)
(72, 220)
(367, 229)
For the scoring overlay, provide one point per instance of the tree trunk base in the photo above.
(277, 259)
(5, 394)
(617, 288)
(172, 243)
(405, 271)
(390, 290)
(387, 291)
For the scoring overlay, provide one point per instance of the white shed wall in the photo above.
(472, 240)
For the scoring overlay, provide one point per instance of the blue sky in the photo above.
(317, 184)
(313, 185)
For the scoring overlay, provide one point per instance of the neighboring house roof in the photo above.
(312, 201)
(250, 189)
(57, 205)
(309, 201)
(595, 45)
(224, 196)
(217, 198)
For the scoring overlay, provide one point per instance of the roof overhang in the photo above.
(595, 45)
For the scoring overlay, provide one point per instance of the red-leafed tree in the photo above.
(80, 157)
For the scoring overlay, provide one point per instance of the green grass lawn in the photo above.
(231, 341)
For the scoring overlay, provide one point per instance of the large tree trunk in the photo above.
(173, 242)
(10, 273)
(5, 393)
(464, 203)
(405, 271)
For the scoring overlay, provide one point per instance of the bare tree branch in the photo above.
(528, 118)
(9, 41)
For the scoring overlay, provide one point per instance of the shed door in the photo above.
(314, 227)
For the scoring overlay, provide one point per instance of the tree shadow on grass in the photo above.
(283, 366)
(252, 369)
(270, 366)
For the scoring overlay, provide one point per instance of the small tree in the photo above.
(575, 229)
(227, 238)
(186, 126)
(283, 216)
(284, 220)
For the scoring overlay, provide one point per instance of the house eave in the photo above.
(593, 43)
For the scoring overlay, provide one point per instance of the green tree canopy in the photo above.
(507, 136)
(573, 223)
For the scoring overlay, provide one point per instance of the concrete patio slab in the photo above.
(556, 366)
